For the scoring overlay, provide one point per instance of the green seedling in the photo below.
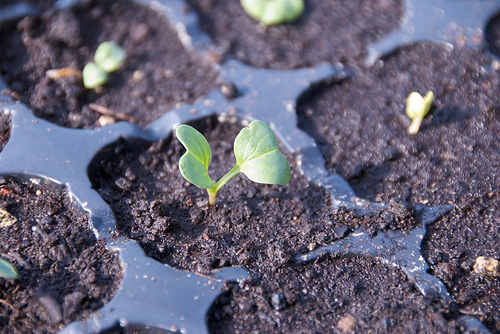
(108, 58)
(271, 12)
(94, 76)
(416, 109)
(7, 270)
(256, 152)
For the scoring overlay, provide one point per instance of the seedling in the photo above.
(7, 270)
(271, 12)
(416, 109)
(108, 58)
(256, 152)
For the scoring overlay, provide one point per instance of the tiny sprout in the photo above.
(256, 152)
(108, 58)
(270, 12)
(7, 270)
(94, 76)
(416, 109)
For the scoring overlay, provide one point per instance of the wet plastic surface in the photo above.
(158, 296)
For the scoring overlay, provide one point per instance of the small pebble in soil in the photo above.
(229, 90)
(6, 219)
(123, 183)
(487, 266)
(346, 324)
(278, 301)
(52, 307)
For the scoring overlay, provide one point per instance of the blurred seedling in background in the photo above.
(108, 58)
(256, 152)
(272, 12)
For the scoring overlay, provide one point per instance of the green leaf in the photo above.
(194, 163)
(254, 8)
(257, 154)
(93, 76)
(270, 12)
(7, 270)
(109, 56)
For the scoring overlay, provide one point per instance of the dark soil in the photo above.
(319, 297)
(64, 272)
(158, 73)
(259, 227)
(4, 130)
(328, 31)
(492, 34)
(452, 245)
(360, 125)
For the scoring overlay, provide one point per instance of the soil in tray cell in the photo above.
(64, 272)
(360, 126)
(41, 4)
(157, 75)
(327, 31)
(334, 295)
(451, 248)
(259, 227)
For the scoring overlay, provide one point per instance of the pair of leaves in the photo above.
(108, 58)
(255, 149)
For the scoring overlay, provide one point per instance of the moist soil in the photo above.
(64, 272)
(360, 126)
(327, 31)
(157, 76)
(262, 228)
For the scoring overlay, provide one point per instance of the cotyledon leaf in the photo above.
(270, 12)
(258, 157)
(7, 270)
(194, 163)
(254, 8)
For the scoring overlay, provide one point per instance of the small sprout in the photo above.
(271, 12)
(94, 76)
(7, 270)
(108, 58)
(256, 152)
(416, 109)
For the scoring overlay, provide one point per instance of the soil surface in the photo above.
(327, 31)
(454, 242)
(360, 126)
(492, 34)
(158, 73)
(262, 228)
(64, 272)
